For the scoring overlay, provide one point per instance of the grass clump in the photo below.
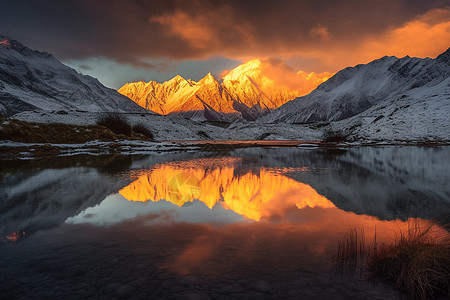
(141, 129)
(417, 262)
(116, 124)
(26, 132)
(351, 253)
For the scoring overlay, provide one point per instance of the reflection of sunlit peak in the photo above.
(253, 196)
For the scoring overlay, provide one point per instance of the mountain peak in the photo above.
(32, 80)
(177, 77)
(250, 89)
(250, 69)
(209, 78)
(20, 48)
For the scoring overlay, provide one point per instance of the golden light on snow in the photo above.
(264, 83)
(214, 181)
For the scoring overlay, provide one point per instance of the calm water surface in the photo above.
(250, 223)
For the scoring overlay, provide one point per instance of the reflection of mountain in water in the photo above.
(387, 182)
(46, 198)
(43, 193)
(254, 195)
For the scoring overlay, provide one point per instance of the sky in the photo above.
(121, 41)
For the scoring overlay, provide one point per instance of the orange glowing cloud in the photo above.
(320, 31)
(426, 35)
(310, 36)
(213, 181)
(274, 76)
(327, 45)
(191, 30)
(300, 81)
(205, 29)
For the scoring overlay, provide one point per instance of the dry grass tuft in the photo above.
(351, 253)
(26, 132)
(417, 262)
(141, 129)
(116, 124)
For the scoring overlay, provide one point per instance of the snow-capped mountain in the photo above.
(381, 82)
(245, 91)
(34, 80)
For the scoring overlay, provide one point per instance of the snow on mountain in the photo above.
(34, 80)
(417, 83)
(420, 114)
(247, 91)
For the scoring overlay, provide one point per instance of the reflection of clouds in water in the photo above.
(115, 209)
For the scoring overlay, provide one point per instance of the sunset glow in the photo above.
(155, 41)
(254, 196)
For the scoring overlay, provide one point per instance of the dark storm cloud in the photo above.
(135, 30)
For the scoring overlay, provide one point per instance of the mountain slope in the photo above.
(356, 89)
(246, 91)
(31, 80)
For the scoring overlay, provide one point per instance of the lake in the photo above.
(253, 223)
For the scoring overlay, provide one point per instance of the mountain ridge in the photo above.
(245, 92)
(353, 90)
(36, 80)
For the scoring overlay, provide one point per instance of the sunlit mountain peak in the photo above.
(208, 79)
(251, 68)
(177, 78)
(261, 84)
